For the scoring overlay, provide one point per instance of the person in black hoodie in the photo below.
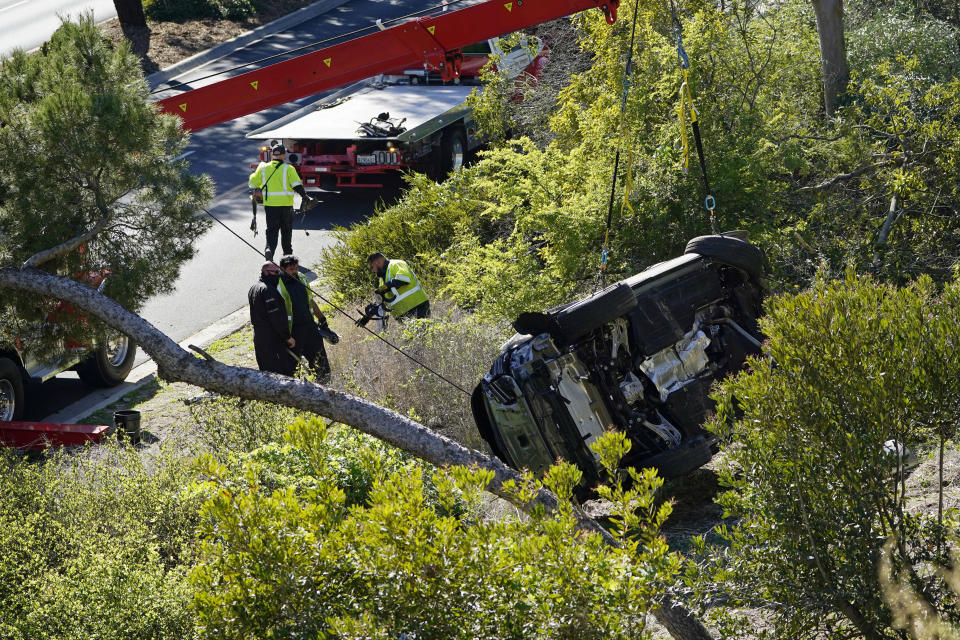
(301, 310)
(272, 341)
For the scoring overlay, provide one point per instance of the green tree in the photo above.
(855, 369)
(93, 184)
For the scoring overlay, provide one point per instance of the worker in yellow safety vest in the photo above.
(276, 181)
(301, 308)
(400, 287)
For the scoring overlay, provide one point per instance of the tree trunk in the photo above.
(177, 364)
(833, 51)
(130, 13)
(133, 23)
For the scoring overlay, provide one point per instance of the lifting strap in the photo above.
(685, 107)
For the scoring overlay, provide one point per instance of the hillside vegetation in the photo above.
(268, 523)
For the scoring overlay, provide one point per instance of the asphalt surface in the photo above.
(214, 284)
(26, 24)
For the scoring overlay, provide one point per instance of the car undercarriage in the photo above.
(639, 356)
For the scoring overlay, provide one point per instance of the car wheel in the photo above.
(109, 365)
(11, 390)
(453, 149)
(729, 250)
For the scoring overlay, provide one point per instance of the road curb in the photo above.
(147, 372)
(243, 40)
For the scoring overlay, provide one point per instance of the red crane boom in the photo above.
(433, 41)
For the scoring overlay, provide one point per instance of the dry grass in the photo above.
(456, 346)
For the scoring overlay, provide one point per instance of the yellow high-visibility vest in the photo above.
(276, 181)
(407, 296)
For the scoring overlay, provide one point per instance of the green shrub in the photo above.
(853, 364)
(347, 455)
(302, 564)
(876, 36)
(95, 545)
(180, 10)
(227, 424)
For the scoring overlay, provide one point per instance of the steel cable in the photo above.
(348, 315)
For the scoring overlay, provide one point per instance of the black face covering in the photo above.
(270, 280)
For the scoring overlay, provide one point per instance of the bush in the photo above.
(459, 346)
(881, 36)
(402, 564)
(853, 364)
(181, 10)
(227, 424)
(95, 546)
(348, 458)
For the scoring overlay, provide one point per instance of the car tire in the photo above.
(585, 315)
(11, 390)
(109, 365)
(729, 250)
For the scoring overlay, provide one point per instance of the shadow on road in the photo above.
(347, 207)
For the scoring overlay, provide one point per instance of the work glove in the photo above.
(329, 335)
(253, 227)
(382, 289)
(371, 311)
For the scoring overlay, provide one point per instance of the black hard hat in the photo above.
(278, 148)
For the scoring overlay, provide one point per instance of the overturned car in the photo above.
(639, 356)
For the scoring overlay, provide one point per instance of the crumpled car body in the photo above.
(639, 356)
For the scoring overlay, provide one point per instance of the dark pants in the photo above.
(272, 356)
(310, 346)
(422, 310)
(279, 219)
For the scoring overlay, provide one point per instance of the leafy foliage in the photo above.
(181, 10)
(523, 229)
(86, 147)
(402, 563)
(853, 365)
(95, 547)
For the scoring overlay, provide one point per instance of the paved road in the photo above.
(26, 24)
(214, 284)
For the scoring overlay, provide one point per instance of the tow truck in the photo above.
(432, 42)
(397, 121)
(401, 120)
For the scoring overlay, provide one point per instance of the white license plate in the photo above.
(377, 157)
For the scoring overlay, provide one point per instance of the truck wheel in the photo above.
(453, 150)
(729, 250)
(11, 390)
(109, 365)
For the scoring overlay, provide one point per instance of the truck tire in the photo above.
(109, 365)
(729, 250)
(453, 150)
(11, 390)
(583, 316)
